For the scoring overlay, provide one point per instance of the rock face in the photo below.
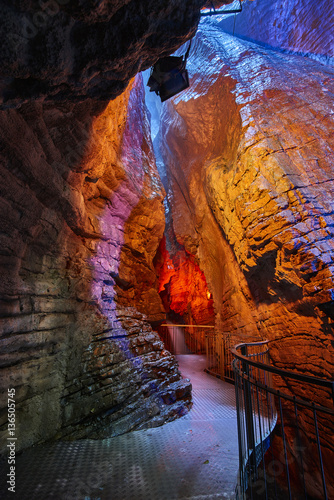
(81, 220)
(82, 217)
(75, 50)
(300, 26)
(182, 285)
(249, 151)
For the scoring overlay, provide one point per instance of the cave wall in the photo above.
(82, 214)
(82, 217)
(81, 220)
(249, 149)
(182, 285)
(300, 26)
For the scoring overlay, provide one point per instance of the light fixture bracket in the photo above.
(214, 12)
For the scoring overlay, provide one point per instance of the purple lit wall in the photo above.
(302, 26)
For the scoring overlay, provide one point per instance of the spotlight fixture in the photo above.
(169, 76)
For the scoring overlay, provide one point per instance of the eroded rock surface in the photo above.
(249, 151)
(82, 216)
(249, 147)
(249, 155)
(300, 26)
(81, 220)
(182, 285)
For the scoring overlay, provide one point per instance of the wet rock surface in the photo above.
(82, 217)
(248, 151)
(303, 27)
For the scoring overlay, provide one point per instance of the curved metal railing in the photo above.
(285, 435)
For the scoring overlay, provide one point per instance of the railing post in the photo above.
(248, 413)
(242, 486)
(255, 431)
(222, 356)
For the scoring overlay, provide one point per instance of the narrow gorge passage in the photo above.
(119, 213)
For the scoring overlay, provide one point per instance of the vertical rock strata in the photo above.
(249, 155)
(81, 220)
(301, 26)
(249, 148)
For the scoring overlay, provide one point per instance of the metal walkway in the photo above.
(194, 457)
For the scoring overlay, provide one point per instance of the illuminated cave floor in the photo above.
(194, 457)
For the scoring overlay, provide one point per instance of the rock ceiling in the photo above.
(78, 49)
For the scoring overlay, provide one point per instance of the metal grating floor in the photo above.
(194, 457)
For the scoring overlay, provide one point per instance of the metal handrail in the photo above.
(279, 371)
(219, 355)
(295, 432)
(277, 392)
(183, 339)
(201, 339)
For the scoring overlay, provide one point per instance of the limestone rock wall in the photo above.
(249, 147)
(81, 220)
(300, 26)
(182, 285)
(81, 217)
(248, 150)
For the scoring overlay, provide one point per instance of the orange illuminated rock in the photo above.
(81, 220)
(183, 287)
(248, 150)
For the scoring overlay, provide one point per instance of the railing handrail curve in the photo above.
(299, 449)
(280, 371)
(277, 392)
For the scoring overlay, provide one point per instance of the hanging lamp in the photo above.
(169, 76)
